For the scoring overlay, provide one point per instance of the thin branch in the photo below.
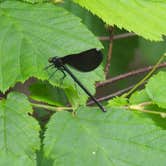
(120, 36)
(118, 93)
(129, 74)
(107, 67)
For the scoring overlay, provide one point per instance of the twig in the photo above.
(107, 67)
(129, 74)
(118, 93)
(121, 36)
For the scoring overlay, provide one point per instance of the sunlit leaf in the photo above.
(145, 18)
(30, 34)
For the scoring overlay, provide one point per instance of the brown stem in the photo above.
(118, 93)
(129, 74)
(107, 67)
(120, 36)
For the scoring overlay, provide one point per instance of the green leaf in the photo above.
(42, 161)
(11, 160)
(42, 31)
(139, 97)
(116, 137)
(19, 138)
(118, 101)
(145, 18)
(156, 89)
(44, 92)
(57, 32)
(93, 23)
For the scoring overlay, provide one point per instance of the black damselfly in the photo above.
(85, 61)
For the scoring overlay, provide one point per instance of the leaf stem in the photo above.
(52, 108)
(139, 108)
(146, 103)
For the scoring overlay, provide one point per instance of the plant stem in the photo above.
(52, 108)
(109, 55)
(129, 74)
(120, 36)
(118, 93)
(139, 108)
(146, 103)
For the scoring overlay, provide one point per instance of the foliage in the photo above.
(31, 31)
(118, 137)
(139, 16)
(26, 24)
(123, 50)
(158, 96)
(19, 132)
(43, 91)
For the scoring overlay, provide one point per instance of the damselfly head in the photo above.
(53, 60)
(50, 60)
(57, 62)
